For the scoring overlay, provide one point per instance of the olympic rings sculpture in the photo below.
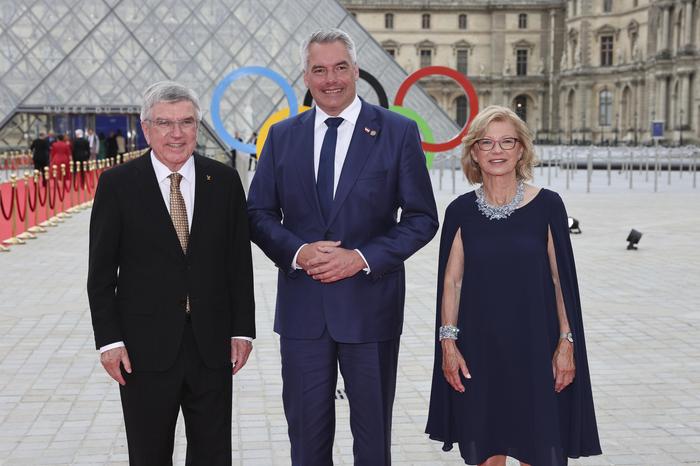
(428, 143)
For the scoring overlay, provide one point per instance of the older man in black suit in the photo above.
(170, 285)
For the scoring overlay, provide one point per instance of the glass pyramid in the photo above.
(61, 56)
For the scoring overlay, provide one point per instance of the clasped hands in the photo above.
(327, 262)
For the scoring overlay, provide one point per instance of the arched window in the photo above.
(461, 112)
(389, 21)
(521, 107)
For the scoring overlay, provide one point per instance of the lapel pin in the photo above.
(208, 177)
(371, 132)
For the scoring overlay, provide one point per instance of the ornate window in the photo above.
(521, 62)
(463, 61)
(606, 50)
(426, 57)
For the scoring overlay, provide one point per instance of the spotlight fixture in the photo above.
(574, 226)
(633, 238)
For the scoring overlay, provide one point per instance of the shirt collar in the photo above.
(163, 172)
(350, 114)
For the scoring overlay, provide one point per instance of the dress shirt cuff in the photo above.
(242, 338)
(117, 344)
(367, 270)
(295, 266)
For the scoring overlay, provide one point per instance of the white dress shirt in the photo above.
(187, 184)
(342, 144)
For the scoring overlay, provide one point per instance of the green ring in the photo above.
(423, 128)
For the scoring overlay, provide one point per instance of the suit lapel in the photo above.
(361, 147)
(304, 150)
(152, 198)
(203, 197)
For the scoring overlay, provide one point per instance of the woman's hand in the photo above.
(452, 364)
(563, 365)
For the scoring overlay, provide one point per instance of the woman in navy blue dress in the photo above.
(511, 374)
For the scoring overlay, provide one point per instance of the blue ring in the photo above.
(215, 106)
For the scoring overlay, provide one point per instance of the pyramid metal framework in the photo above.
(100, 55)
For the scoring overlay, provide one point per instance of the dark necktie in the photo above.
(326, 165)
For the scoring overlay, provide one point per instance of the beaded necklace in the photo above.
(499, 212)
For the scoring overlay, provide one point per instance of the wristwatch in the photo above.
(567, 336)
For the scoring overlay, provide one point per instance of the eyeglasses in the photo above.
(488, 144)
(166, 126)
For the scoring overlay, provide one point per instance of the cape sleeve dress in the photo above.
(509, 332)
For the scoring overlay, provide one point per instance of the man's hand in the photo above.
(335, 263)
(311, 251)
(240, 350)
(112, 360)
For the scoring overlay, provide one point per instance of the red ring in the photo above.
(462, 80)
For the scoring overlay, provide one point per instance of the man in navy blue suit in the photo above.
(324, 206)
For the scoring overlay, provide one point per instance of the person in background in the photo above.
(81, 153)
(253, 161)
(94, 142)
(60, 155)
(40, 153)
(121, 142)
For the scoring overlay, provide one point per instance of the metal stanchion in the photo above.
(589, 170)
(549, 168)
(656, 168)
(442, 169)
(73, 176)
(14, 212)
(37, 228)
(50, 221)
(57, 217)
(26, 234)
(63, 214)
(609, 167)
(631, 169)
(670, 159)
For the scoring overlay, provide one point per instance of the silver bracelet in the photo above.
(448, 332)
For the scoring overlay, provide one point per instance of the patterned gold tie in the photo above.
(178, 212)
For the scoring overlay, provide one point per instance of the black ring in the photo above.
(371, 80)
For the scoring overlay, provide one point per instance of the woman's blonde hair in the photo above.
(477, 129)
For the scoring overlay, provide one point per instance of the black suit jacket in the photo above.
(138, 276)
(81, 150)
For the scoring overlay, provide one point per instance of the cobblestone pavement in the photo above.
(641, 310)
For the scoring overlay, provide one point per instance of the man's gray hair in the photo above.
(168, 91)
(326, 36)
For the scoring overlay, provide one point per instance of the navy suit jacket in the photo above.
(384, 171)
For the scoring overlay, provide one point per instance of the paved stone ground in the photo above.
(641, 310)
